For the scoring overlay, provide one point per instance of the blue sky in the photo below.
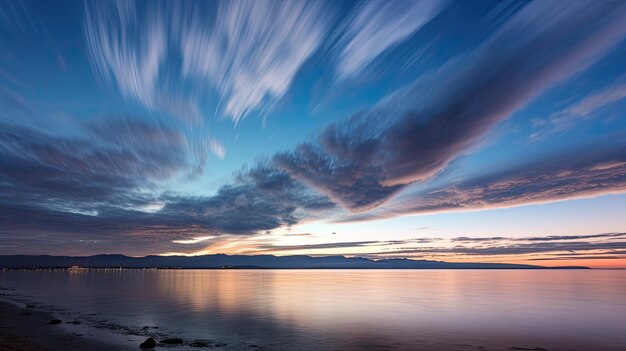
(230, 126)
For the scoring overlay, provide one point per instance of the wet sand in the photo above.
(27, 329)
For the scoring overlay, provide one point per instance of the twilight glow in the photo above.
(443, 130)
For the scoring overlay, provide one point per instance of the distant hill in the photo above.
(242, 261)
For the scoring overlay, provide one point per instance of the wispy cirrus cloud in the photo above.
(579, 111)
(129, 49)
(12, 101)
(412, 135)
(169, 56)
(249, 55)
(375, 26)
(235, 47)
(16, 17)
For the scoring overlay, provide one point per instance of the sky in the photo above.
(488, 131)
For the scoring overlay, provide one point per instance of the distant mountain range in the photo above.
(242, 261)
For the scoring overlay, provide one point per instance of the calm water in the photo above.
(349, 309)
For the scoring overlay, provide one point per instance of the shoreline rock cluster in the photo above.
(151, 343)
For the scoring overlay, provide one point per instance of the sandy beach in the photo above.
(26, 329)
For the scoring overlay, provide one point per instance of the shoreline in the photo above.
(26, 326)
(29, 329)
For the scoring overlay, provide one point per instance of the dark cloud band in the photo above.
(412, 135)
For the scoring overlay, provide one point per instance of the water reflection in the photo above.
(353, 309)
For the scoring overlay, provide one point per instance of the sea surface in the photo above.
(341, 309)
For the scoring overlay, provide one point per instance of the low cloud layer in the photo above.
(515, 249)
(104, 192)
(609, 246)
(591, 171)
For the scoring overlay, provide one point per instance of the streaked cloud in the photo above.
(249, 55)
(514, 249)
(194, 240)
(75, 176)
(608, 246)
(412, 135)
(217, 148)
(579, 111)
(106, 189)
(121, 153)
(127, 48)
(235, 47)
(375, 26)
(12, 101)
(596, 170)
